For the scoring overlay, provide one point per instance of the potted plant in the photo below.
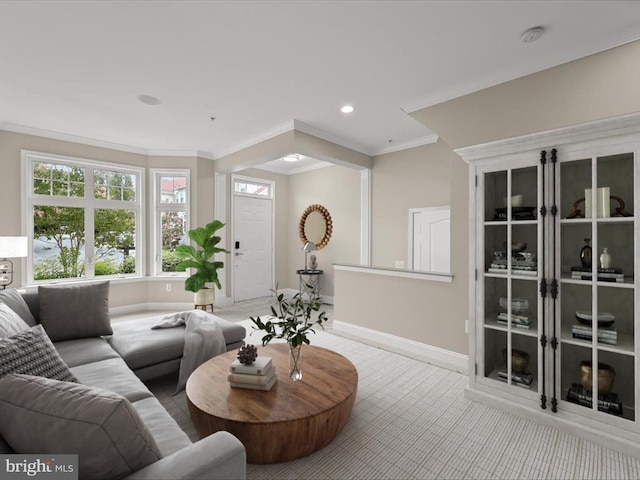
(206, 271)
(292, 322)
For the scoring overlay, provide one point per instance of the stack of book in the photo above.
(607, 402)
(520, 379)
(605, 335)
(518, 321)
(260, 375)
(604, 274)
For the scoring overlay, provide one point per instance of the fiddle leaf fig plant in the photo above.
(206, 271)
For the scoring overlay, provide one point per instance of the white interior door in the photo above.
(252, 250)
(430, 239)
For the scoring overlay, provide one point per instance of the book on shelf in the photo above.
(528, 273)
(520, 379)
(610, 332)
(600, 270)
(602, 276)
(251, 386)
(607, 340)
(607, 402)
(515, 325)
(523, 319)
(259, 367)
(248, 378)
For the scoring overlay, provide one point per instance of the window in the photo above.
(83, 217)
(171, 217)
(244, 186)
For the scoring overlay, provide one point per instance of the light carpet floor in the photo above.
(412, 421)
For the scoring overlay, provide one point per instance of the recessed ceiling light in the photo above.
(346, 109)
(294, 157)
(532, 34)
(149, 100)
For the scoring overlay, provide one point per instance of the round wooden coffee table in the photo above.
(292, 420)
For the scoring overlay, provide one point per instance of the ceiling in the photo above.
(76, 68)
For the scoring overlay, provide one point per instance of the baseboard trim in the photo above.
(420, 351)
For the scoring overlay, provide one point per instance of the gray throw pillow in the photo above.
(10, 322)
(75, 311)
(32, 353)
(14, 300)
(102, 428)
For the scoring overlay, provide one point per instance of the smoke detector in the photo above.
(532, 34)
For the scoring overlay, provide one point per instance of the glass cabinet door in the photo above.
(596, 301)
(510, 301)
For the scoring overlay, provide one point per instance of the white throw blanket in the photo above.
(203, 339)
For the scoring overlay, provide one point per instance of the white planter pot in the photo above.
(204, 296)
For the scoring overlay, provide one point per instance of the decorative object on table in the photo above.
(605, 258)
(522, 263)
(10, 247)
(584, 330)
(606, 376)
(206, 271)
(585, 254)
(605, 319)
(247, 354)
(519, 366)
(576, 212)
(604, 274)
(315, 226)
(308, 247)
(259, 375)
(313, 264)
(292, 322)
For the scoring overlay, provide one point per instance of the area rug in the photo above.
(412, 421)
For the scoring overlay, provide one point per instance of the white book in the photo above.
(259, 367)
(253, 379)
(250, 386)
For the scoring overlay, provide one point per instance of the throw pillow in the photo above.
(14, 300)
(10, 322)
(75, 311)
(32, 353)
(101, 427)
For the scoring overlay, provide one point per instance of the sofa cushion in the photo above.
(112, 374)
(102, 428)
(16, 302)
(140, 346)
(32, 353)
(75, 311)
(85, 350)
(10, 322)
(165, 431)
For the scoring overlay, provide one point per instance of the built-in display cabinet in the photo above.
(554, 250)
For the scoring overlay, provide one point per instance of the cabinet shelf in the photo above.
(625, 345)
(530, 388)
(513, 276)
(492, 323)
(629, 282)
(569, 221)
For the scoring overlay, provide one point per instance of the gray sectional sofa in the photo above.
(116, 363)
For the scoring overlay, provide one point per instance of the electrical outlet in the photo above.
(168, 287)
(399, 263)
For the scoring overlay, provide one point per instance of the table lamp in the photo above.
(10, 247)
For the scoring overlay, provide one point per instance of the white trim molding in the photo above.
(365, 217)
(394, 272)
(420, 351)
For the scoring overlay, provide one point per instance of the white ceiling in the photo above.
(76, 68)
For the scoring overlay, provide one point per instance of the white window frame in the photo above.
(88, 202)
(253, 181)
(159, 207)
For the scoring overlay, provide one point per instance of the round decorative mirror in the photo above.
(315, 226)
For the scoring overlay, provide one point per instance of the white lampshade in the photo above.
(13, 247)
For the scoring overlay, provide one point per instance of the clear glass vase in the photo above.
(295, 363)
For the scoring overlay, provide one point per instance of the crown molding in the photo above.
(254, 140)
(181, 153)
(426, 140)
(616, 39)
(66, 137)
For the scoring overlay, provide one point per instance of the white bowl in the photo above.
(516, 201)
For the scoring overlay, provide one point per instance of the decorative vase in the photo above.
(295, 363)
(204, 296)
(585, 254)
(605, 258)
